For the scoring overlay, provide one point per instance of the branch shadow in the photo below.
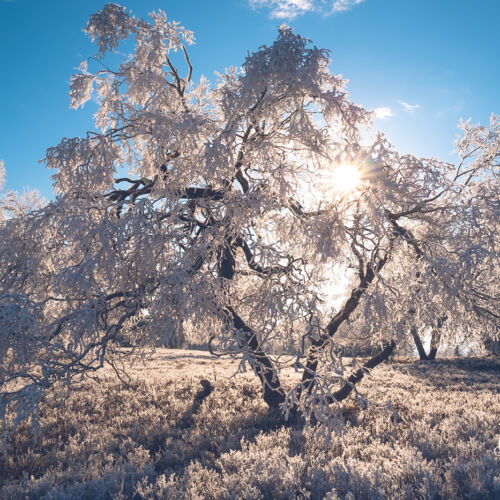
(211, 449)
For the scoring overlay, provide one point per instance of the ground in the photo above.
(167, 436)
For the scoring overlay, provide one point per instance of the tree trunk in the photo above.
(274, 395)
(435, 340)
(436, 337)
(418, 342)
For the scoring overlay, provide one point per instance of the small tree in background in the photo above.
(220, 213)
(13, 204)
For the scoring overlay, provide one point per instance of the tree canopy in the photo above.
(220, 213)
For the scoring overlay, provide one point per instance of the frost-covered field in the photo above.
(157, 439)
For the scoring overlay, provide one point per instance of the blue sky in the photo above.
(422, 64)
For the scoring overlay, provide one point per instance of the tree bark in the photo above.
(436, 338)
(358, 375)
(274, 395)
(418, 342)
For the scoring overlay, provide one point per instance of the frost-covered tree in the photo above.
(463, 240)
(13, 204)
(222, 213)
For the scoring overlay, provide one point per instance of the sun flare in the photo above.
(346, 178)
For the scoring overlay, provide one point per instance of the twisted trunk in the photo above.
(274, 395)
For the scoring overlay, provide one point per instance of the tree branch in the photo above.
(266, 271)
(358, 375)
(317, 345)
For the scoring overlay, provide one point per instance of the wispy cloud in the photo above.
(409, 107)
(290, 9)
(383, 112)
(284, 9)
(343, 5)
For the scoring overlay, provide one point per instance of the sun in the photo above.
(346, 178)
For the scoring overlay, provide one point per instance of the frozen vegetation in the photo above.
(168, 436)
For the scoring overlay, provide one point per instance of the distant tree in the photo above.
(464, 240)
(13, 204)
(226, 213)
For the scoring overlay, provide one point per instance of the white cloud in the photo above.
(343, 5)
(290, 9)
(383, 112)
(409, 107)
(284, 9)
